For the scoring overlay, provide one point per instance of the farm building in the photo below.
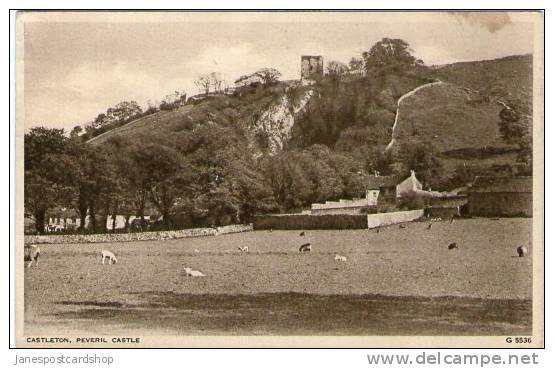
(408, 185)
(501, 196)
(381, 192)
(393, 187)
(445, 207)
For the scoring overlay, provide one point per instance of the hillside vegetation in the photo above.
(273, 146)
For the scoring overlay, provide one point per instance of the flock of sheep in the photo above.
(32, 252)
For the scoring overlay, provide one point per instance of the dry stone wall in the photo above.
(151, 235)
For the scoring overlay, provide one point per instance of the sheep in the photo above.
(429, 226)
(522, 250)
(340, 258)
(190, 272)
(109, 255)
(31, 253)
(243, 249)
(452, 246)
(305, 248)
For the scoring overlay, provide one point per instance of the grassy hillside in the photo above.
(355, 117)
(239, 111)
(136, 128)
(460, 117)
(446, 115)
(505, 78)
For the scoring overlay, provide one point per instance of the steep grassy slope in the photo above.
(505, 78)
(264, 116)
(460, 116)
(158, 121)
(444, 113)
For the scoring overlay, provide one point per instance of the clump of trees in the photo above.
(390, 54)
(515, 127)
(208, 174)
(264, 76)
(422, 157)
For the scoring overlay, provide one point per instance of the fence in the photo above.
(390, 218)
(151, 235)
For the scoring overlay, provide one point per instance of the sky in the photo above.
(76, 65)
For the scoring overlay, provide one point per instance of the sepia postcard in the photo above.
(279, 179)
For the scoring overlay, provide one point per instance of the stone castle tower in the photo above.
(311, 66)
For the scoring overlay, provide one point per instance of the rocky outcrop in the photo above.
(277, 121)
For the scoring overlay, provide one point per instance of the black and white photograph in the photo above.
(279, 179)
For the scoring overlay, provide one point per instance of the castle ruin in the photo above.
(311, 67)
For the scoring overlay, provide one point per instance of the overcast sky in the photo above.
(76, 68)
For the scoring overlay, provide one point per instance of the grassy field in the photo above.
(395, 282)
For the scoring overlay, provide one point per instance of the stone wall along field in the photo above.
(151, 235)
(310, 222)
(390, 218)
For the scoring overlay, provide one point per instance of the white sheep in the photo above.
(109, 255)
(190, 272)
(340, 258)
(31, 252)
(243, 249)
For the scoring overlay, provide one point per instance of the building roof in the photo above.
(448, 202)
(502, 184)
(376, 182)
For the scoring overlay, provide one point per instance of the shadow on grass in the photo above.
(311, 314)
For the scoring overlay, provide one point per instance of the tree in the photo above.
(422, 158)
(268, 76)
(390, 53)
(336, 69)
(76, 132)
(173, 100)
(246, 80)
(93, 180)
(380, 161)
(135, 173)
(46, 172)
(515, 127)
(161, 174)
(204, 83)
(217, 81)
(121, 113)
(356, 64)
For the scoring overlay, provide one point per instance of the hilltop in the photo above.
(460, 116)
(354, 116)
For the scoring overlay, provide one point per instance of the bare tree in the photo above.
(204, 83)
(336, 68)
(216, 81)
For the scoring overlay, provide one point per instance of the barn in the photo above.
(501, 196)
(445, 207)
